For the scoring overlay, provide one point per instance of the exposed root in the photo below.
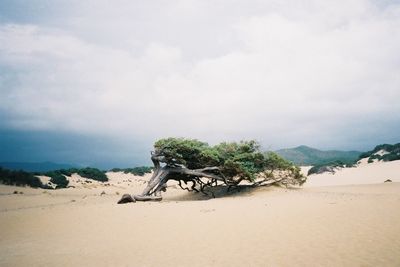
(147, 198)
(126, 198)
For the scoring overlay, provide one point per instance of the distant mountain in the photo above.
(304, 155)
(35, 166)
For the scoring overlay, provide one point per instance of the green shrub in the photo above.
(19, 178)
(56, 177)
(393, 153)
(93, 173)
(140, 171)
(333, 164)
(391, 157)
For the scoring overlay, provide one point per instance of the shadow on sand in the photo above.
(222, 191)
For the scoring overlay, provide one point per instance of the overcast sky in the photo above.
(97, 82)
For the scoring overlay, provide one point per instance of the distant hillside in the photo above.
(384, 152)
(35, 166)
(304, 155)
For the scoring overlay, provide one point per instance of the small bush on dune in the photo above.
(19, 178)
(329, 165)
(93, 173)
(390, 157)
(140, 171)
(393, 153)
(59, 178)
(90, 173)
(56, 177)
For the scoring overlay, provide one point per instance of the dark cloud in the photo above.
(128, 72)
(76, 149)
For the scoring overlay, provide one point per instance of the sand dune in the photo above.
(364, 173)
(351, 225)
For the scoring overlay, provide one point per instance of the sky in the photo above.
(97, 82)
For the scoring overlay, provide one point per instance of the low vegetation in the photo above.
(384, 152)
(330, 166)
(139, 171)
(93, 173)
(391, 152)
(19, 178)
(57, 177)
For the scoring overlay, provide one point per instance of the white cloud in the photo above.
(283, 73)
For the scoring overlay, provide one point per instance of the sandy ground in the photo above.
(350, 225)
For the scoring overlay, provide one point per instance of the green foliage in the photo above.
(274, 162)
(19, 178)
(59, 178)
(93, 173)
(189, 152)
(90, 173)
(243, 159)
(139, 171)
(56, 177)
(393, 153)
(390, 157)
(333, 164)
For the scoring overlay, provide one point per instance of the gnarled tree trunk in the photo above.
(162, 174)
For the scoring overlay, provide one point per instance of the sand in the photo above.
(347, 225)
(364, 173)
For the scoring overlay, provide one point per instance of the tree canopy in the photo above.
(228, 163)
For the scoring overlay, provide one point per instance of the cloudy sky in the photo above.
(96, 82)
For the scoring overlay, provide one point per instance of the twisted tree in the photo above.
(199, 166)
